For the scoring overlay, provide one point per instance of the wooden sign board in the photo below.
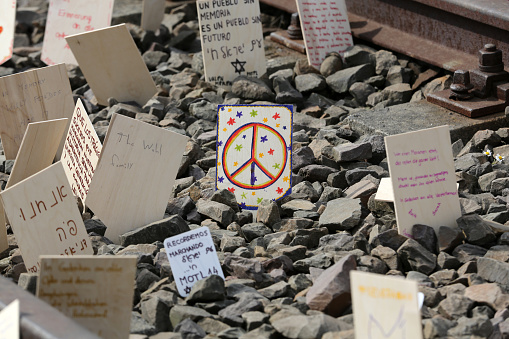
(4, 242)
(384, 307)
(45, 218)
(152, 14)
(7, 25)
(9, 321)
(81, 152)
(192, 256)
(135, 174)
(254, 152)
(38, 149)
(231, 40)
(112, 65)
(325, 27)
(37, 95)
(423, 180)
(68, 17)
(384, 192)
(97, 292)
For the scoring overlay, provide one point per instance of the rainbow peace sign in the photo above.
(254, 152)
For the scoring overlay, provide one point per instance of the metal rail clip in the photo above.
(477, 92)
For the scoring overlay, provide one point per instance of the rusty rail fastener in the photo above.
(294, 30)
(461, 85)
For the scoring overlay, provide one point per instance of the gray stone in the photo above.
(316, 172)
(398, 75)
(448, 238)
(361, 91)
(476, 230)
(265, 331)
(268, 213)
(305, 187)
(341, 214)
(322, 260)
(390, 238)
(181, 312)
(480, 327)
(436, 327)
(311, 82)
(154, 58)
(415, 257)
(447, 261)
(138, 325)
(285, 93)
(388, 255)
(212, 326)
(232, 314)
(226, 197)
(353, 152)
(341, 81)
(276, 290)
(330, 293)
(190, 330)
(219, 212)
(208, 289)
(255, 230)
(384, 61)
(356, 55)
(331, 64)
(306, 327)
(254, 319)
(425, 236)
(155, 231)
(302, 157)
(252, 89)
(468, 252)
(493, 270)
(230, 244)
(244, 268)
(455, 306)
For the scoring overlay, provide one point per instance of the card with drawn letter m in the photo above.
(254, 152)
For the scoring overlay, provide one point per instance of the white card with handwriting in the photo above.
(7, 24)
(192, 256)
(45, 218)
(96, 291)
(68, 17)
(384, 307)
(423, 178)
(135, 174)
(9, 321)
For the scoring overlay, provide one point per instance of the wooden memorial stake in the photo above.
(32, 96)
(384, 307)
(97, 292)
(325, 28)
(44, 217)
(7, 24)
(9, 321)
(112, 64)
(231, 39)
(192, 256)
(135, 175)
(423, 180)
(68, 17)
(254, 152)
(81, 152)
(153, 14)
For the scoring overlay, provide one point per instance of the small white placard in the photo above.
(7, 23)
(192, 256)
(9, 321)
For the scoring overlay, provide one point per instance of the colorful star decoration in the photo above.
(254, 152)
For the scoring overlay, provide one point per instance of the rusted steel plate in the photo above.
(472, 108)
(38, 319)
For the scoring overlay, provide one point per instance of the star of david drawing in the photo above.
(239, 66)
(187, 289)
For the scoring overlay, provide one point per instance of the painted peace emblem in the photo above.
(263, 160)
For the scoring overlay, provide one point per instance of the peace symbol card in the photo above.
(7, 23)
(254, 152)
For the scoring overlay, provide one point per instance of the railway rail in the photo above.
(444, 33)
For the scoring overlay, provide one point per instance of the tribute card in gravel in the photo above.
(37, 95)
(135, 174)
(45, 218)
(7, 24)
(254, 152)
(68, 17)
(81, 152)
(384, 307)
(423, 179)
(325, 27)
(192, 256)
(112, 65)
(97, 292)
(153, 14)
(231, 40)
(9, 321)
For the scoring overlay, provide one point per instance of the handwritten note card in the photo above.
(9, 321)
(153, 14)
(135, 174)
(231, 39)
(192, 256)
(97, 292)
(7, 23)
(45, 218)
(68, 17)
(112, 65)
(254, 152)
(326, 28)
(423, 180)
(32, 96)
(81, 152)
(384, 307)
